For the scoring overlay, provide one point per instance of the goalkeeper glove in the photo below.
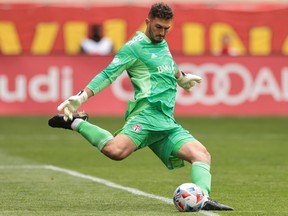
(70, 105)
(187, 81)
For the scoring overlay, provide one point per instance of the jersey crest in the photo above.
(137, 128)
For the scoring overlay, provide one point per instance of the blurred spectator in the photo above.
(97, 44)
(226, 47)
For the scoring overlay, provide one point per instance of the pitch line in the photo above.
(117, 186)
(108, 183)
(104, 182)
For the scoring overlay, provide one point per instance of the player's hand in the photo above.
(70, 105)
(187, 81)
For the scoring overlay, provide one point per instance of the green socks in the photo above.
(95, 135)
(201, 176)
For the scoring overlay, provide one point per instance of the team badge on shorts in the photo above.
(136, 128)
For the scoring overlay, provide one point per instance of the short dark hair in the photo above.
(160, 10)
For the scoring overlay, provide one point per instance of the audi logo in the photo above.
(230, 84)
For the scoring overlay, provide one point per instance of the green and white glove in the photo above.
(187, 81)
(72, 104)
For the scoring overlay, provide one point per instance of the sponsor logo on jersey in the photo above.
(136, 128)
(166, 67)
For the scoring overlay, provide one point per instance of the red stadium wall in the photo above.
(231, 85)
(197, 29)
(40, 65)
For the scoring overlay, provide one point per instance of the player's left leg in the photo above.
(196, 154)
(186, 147)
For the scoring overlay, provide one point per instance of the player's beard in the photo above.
(154, 37)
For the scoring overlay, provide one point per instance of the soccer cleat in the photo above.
(58, 121)
(211, 205)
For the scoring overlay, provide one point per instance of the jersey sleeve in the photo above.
(121, 61)
(176, 67)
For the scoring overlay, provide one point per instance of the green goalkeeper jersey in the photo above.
(151, 69)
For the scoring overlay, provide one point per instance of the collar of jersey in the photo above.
(144, 36)
(147, 39)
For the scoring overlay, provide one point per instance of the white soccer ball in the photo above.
(188, 197)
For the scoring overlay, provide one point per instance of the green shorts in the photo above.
(160, 133)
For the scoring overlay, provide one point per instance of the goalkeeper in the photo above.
(149, 119)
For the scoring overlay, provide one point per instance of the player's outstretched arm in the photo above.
(187, 81)
(72, 104)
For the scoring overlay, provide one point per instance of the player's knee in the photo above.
(195, 151)
(202, 155)
(207, 156)
(114, 153)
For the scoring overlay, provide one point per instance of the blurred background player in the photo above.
(97, 44)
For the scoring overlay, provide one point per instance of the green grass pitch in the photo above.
(249, 169)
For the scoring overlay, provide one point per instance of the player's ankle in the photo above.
(75, 123)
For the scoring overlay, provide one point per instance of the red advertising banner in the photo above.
(197, 29)
(35, 85)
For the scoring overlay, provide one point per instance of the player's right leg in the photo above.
(116, 148)
(119, 148)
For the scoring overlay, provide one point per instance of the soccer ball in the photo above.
(188, 197)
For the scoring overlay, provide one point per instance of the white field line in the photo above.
(101, 181)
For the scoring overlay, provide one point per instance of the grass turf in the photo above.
(249, 169)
